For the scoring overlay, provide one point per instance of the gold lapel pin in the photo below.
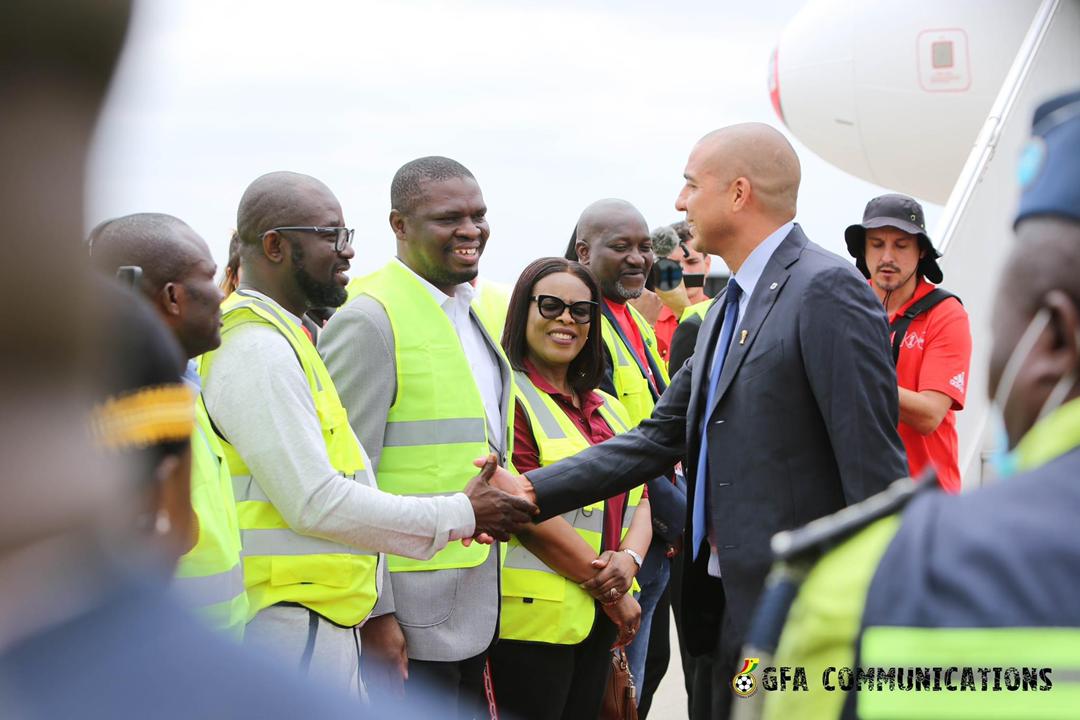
(742, 336)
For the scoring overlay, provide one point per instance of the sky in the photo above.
(551, 105)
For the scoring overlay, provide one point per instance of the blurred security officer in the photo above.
(987, 579)
(931, 337)
(178, 279)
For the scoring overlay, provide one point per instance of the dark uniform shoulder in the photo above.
(1001, 555)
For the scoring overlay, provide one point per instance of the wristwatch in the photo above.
(637, 558)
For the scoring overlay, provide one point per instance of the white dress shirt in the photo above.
(751, 269)
(259, 398)
(482, 360)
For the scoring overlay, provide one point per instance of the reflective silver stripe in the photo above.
(250, 301)
(518, 558)
(206, 442)
(1066, 675)
(628, 516)
(245, 489)
(588, 520)
(204, 590)
(435, 432)
(287, 542)
(447, 493)
(543, 413)
(615, 416)
(620, 356)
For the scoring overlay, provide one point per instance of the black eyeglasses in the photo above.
(342, 236)
(551, 307)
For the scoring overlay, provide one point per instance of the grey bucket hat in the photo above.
(903, 213)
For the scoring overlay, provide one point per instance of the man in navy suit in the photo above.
(786, 412)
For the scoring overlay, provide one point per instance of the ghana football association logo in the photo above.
(744, 683)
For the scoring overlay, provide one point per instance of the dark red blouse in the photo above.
(592, 425)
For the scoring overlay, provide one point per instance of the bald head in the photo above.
(177, 273)
(762, 155)
(165, 247)
(602, 216)
(742, 183)
(281, 199)
(612, 239)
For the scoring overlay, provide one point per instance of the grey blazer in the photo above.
(446, 615)
(803, 424)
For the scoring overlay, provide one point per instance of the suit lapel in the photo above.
(506, 377)
(767, 290)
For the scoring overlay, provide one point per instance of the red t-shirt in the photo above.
(592, 425)
(667, 323)
(935, 355)
(632, 333)
(665, 327)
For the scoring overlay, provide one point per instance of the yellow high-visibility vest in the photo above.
(210, 576)
(491, 304)
(280, 565)
(538, 604)
(698, 309)
(631, 385)
(437, 425)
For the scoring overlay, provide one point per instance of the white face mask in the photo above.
(1003, 459)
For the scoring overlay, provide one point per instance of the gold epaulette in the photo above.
(150, 416)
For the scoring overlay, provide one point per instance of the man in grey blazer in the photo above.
(436, 625)
(785, 415)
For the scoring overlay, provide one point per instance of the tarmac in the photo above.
(669, 702)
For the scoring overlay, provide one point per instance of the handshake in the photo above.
(502, 502)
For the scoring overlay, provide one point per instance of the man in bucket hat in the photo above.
(931, 336)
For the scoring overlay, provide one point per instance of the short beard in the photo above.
(441, 277)
(618, 290)
(329, 294)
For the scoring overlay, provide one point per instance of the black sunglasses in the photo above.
(551, 307)
(342, 236)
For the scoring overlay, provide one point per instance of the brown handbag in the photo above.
(620, 697)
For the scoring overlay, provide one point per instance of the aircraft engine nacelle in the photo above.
(895, 93)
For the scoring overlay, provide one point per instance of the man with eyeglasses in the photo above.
(612, 239)
(427, 389)
(312, 522)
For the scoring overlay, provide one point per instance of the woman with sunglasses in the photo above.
(566, 596)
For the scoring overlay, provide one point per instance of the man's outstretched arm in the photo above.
(614, 466)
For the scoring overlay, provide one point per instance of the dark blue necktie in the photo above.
(731, 318)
